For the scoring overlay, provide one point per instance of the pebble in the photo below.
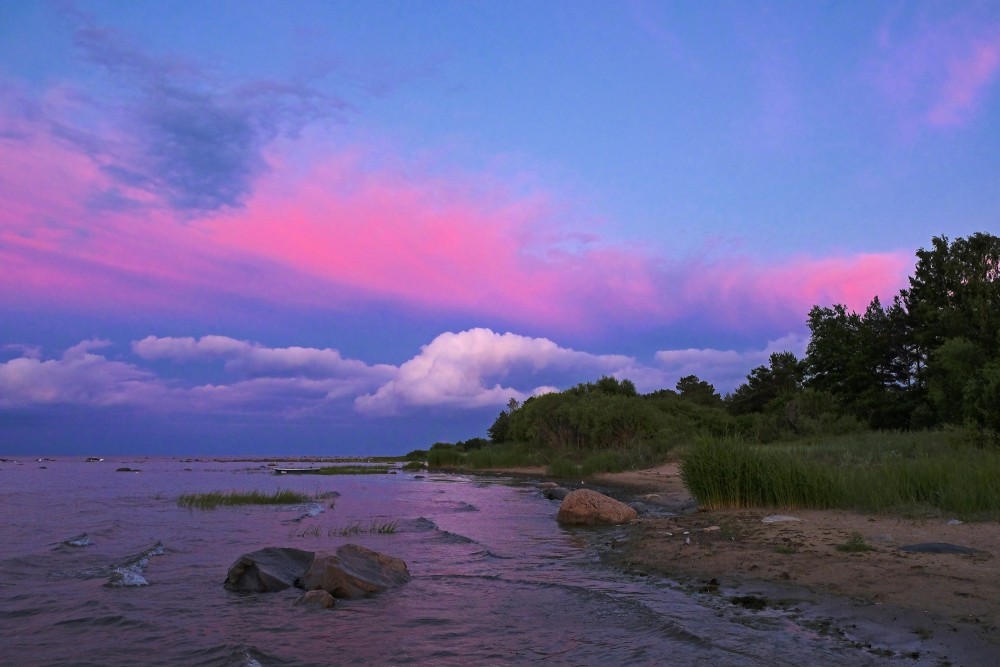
(955, 522)
(712, 528)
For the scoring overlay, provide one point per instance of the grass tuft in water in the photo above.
(353, 470)
(356, 528)
(213, 499)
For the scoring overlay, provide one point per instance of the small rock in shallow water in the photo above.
(81, 540)
(319, 598)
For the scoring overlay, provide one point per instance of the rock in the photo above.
(81, 540)
(954, 522)
(547, 485)
(779, 518)
(938, 548)
(353, 571)
(320, 599)
(584, 507)
(555, 493)
(125, 470)
(267, 570)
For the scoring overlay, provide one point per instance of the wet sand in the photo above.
(945, 603)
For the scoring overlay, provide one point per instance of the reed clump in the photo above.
(357, 528)
(353, 470)
(906, 473)
(212, 499)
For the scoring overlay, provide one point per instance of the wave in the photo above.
(131, 571)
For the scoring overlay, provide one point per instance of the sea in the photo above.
(103, 567)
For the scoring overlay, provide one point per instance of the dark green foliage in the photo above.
(926, 359)
(443, 455)
(692, 388)
(765, 385)
(955, 293)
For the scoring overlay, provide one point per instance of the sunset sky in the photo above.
(236, 227)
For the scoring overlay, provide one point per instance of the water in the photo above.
(99, 567)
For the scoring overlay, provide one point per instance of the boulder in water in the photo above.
(266, 570)
(584, 507)
(354, 571)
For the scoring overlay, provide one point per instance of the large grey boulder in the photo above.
(584, 507)
(269, 569)
(354, 571)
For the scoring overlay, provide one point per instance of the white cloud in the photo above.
(727, 369)
(78, 377)
(256, 360)
(463, 370)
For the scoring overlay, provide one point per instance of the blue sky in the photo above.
(249, 227)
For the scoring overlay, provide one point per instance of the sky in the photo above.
(342, 228)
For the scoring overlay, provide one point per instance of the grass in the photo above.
(213, 499)
(353, 470)
(374, 528)
(908, 473)
(855, 544)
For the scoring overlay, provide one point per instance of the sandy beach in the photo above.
(948, 601)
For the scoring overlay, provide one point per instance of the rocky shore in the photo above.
(935, 581)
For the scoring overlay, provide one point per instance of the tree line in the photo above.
(931, 358)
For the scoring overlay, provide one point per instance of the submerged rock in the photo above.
(938, 548)
(584, 507)
(320, 599)
(81, 540)
(556, 493)
(354, 571)
(266, 570)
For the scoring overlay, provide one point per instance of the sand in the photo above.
(947, 601)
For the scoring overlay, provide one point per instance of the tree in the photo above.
(692, 388)
(765, 384)
(866, 362)
(952, 366)
(499, 431)
(955, 293)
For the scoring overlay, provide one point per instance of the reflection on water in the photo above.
(103, 568)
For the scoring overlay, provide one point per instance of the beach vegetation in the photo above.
(914, 473)
(854, 544)
(213, 499)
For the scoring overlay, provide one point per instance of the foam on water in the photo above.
(131, 572)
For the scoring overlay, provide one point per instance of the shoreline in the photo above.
(914, 604)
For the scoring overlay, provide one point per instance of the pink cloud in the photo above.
(335, 231)
(937, 71)
(969, 75)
